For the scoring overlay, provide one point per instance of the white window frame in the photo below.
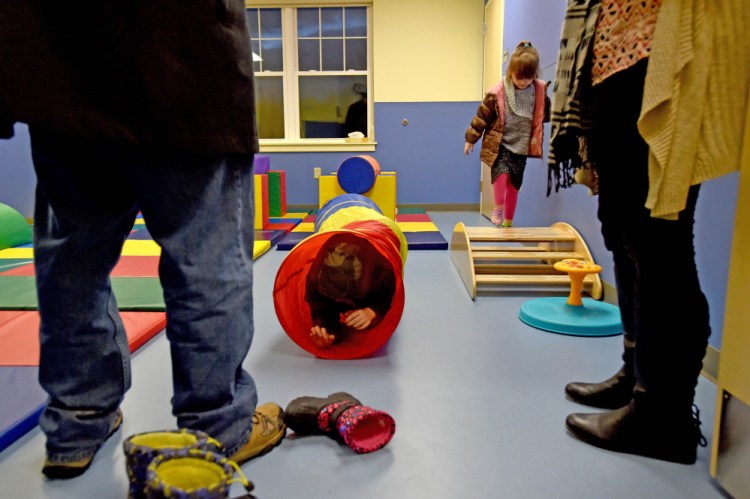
(291, 75)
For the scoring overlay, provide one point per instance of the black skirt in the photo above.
(511, 163)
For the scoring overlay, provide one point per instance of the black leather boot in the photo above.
(671, 438)
(612, 393)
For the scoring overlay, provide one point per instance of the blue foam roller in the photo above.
(356, 175)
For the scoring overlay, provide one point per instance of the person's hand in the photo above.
(468, 147)
(320, 337)
(359, 319)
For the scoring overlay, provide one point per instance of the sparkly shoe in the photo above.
(497, 216)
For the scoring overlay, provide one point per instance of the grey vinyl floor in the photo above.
(477, 396)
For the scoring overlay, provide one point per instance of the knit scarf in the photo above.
(571, 113)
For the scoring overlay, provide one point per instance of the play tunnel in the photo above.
(311, 271)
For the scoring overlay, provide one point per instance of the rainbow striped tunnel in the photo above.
(354, 261)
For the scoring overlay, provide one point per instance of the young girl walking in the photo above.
(510, 123)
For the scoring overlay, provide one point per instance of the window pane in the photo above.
(255, 44)
(269, 107)
(325, 102)
(333, 55)
(252, 21)
(356, 54)
(266, 39)
(356, 21)
(332, 21)
(273, 58)
(309, 55)
(308, 23)
(270, 23)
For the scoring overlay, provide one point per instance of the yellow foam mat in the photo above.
(260, 247)
(141, 247)
(417, 226)
(17, 253)
(132, 247)
(304, 227)
(294, 215)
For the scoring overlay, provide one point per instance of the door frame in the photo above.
(493, 59)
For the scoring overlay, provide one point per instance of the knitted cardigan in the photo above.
(695, 98)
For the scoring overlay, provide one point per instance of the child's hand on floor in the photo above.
(320, 337)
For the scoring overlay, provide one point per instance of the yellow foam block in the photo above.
(417, 226)
(304, 227)
(260, 247)
(141, 247)
(17, 253)
(383, 192)
(261, 201)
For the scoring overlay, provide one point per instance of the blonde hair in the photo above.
(524, 62)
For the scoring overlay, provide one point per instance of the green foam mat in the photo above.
(132, 293)
(410, 210)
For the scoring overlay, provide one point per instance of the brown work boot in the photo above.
(70, 469)
(268, 432)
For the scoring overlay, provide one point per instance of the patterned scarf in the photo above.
(571, 117)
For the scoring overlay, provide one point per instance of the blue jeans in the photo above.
(199, 209)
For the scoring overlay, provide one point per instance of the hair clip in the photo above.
(526, 44)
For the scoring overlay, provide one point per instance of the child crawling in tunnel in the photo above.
(349, 288)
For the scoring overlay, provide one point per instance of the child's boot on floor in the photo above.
(343, 418)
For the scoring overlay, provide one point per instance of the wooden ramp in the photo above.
(490, 258)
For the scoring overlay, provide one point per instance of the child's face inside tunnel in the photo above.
(341, 272)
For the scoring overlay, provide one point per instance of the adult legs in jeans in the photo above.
(200, 210)
(653, 258)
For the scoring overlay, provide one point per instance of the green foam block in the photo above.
(14, 229)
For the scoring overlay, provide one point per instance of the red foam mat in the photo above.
(19, 334)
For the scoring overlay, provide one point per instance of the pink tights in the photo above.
(505, 195)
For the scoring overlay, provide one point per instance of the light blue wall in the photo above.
(427, 154)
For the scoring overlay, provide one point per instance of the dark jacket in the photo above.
(169, 74)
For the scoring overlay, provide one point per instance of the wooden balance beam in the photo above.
(490, 258)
